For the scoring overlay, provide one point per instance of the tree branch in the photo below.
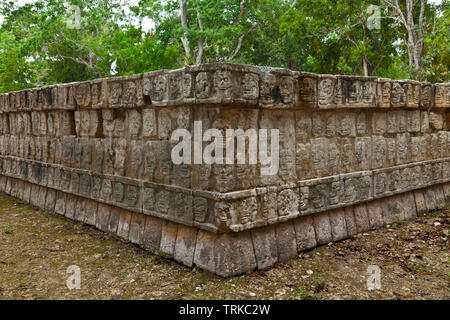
(241, 13)
(184, 24)
(241, 38)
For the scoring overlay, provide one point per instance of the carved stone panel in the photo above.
(398, 94)
(326, 88)
(384, 93)
(426, 96)
(278, 89)
(307, 90)
(442, 95)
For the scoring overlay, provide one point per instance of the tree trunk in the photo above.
(414, 41)
(184, 24)
(364, 65)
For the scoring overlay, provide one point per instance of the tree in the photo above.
(208, 30)
(38, 47)
(411, 15)
(338, 37)
(436, 51)
(106, 43)
(15, 72)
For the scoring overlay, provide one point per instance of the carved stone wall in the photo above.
(355, 153)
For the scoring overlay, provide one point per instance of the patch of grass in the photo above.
(7, 230)
(304, 294)
(204, 276)
(185, 287)
(27, 211)
(23, 282)
(435, 212)
(129, 257)
(8, 202)
(320, 285)
(398, 224)
(419, 267)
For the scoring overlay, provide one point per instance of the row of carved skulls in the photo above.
(271, 88)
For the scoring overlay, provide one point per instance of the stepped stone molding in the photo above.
(230, 211)
(356, 153)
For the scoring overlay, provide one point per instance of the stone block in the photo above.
(50, 200)
(123, 226)
(322, 226)
(265, 244)
(152, 233)
(71, 203)
(392, 209)
(338, 225)
(168, 237)
(305, 233)
(91, 212)
(103, 216)
(420, 202)
(350, 221)
(409, 206)
(361, 218)
(137, 228)
(204, 251)
(234, 254)
(286, 241)
(375, 214)
(185, 245)
(114, 218)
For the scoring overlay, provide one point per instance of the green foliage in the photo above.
(37, 47)
(436, 59)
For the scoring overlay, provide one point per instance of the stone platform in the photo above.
(355, 153)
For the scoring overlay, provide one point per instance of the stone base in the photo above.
(231, 254)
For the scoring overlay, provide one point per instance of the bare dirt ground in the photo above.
(37, 247)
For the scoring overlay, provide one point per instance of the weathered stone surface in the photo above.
(152, 233)
(430, 199)
(137, 228)
(393, 210)
(41, 197)
(103, 215)
(446, 189)
(375, 214)
(419, 198)
(439, 196)
(123, 226)
(168, 237)
(354, 153)
(91, 212)
(350, 221)
(185, 245)
(50, 200)
(361, 218)
(286, 241)
(204, 251)
(114, 218)
(234, 254)
(322, 227)
(338, 225)
(265, 244)
(70, 206)
(409, 206)
(305, 233)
